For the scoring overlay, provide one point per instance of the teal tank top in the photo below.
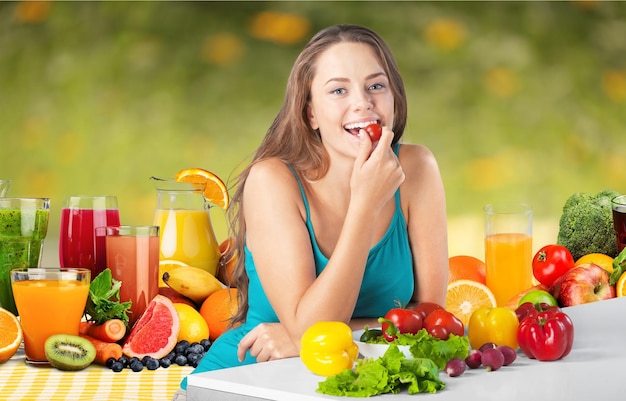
(388, 283)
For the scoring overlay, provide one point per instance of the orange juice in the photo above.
(187, 236)
(48, 307)
(508, 259)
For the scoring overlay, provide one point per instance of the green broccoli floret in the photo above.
(586, 225)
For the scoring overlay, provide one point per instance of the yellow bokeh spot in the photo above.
(223, 49)
(445, 34)
(501, 82)
(279, 27)
(614, 85)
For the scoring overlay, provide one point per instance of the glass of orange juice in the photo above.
(49, 301)
(508, 249)
(185, 228)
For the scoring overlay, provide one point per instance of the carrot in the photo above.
(111, 331)
(104, 349)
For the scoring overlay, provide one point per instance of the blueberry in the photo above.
(181, 360)
(195, 349)
(170, 356)
(206, 343)
(136, 366)
(123, 360)
(110, 362)
(152, 364)
(181, 347)
(193, 359)
(117, 366)
(165, 362)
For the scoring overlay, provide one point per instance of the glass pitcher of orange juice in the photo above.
(186, 234)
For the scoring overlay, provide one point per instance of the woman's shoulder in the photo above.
(416, 156)
(272, 175)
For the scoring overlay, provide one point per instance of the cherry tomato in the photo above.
(374, 131)
(446, 320)
(405, 320)
(551, 262)
(426, 308)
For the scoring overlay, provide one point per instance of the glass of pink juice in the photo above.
(619, 220)
(50, 301)
(78, 244)
(133, 258)
(508, 249)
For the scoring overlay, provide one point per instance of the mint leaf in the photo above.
(103, 302)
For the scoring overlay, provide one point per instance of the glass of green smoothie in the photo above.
(23, 227)
(4, 187)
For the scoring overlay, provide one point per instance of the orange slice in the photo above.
(620, 287)
(10, 335)
(214, 189)
(465, 296)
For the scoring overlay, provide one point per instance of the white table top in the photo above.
(593, 370)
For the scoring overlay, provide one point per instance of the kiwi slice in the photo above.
(68, 352)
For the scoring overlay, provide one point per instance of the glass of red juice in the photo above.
(619, 220)
(133, 258)
(80, 217)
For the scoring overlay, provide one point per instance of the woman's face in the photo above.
(349, 91)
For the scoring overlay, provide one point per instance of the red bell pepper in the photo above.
(548, 336)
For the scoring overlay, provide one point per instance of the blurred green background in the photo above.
(517, 100)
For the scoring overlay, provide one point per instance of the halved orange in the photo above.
(212, 186)
(10, 335)
(620, 287)
(465, 296)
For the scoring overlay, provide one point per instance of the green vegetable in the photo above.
(387, 374)
(586, 225)
(439, 351)
(619, 266)
(103, 302)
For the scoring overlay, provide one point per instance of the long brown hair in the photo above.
(291, 139)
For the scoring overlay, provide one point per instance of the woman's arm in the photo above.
(424, 204)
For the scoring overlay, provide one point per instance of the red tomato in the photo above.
(551, 262)
(426, 308)
(374, 131)
(405, 320)
(442, 319)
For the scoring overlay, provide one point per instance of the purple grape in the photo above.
(509, 354)
(455, 367)
(492, 359)
(473, 359)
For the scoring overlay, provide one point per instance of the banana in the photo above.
(192, 282)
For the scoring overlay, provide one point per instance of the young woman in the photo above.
(332, 226)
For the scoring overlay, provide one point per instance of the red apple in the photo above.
(583, 284)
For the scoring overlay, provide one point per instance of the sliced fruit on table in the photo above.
(620, 287)
(167, 265)
(600, 259)
(465, 296)
(218, 309)
(156, 331)
(193, 327)
(10, 335)
(68, 352)
(464, 267)
(214, 189)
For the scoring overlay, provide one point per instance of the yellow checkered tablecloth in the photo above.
(19, 381)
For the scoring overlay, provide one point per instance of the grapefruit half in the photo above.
(156, 331)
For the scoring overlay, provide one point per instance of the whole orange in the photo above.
(218, 309)
(464, 267)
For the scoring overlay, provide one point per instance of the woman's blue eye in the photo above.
(377, 86)
(339, 91)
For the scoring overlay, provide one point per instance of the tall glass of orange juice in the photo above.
(508, 249)
(49, 301)
(185, 230)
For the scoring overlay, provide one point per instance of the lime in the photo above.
(539, 297)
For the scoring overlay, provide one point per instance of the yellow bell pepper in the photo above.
(327, 348)
(495, 325)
